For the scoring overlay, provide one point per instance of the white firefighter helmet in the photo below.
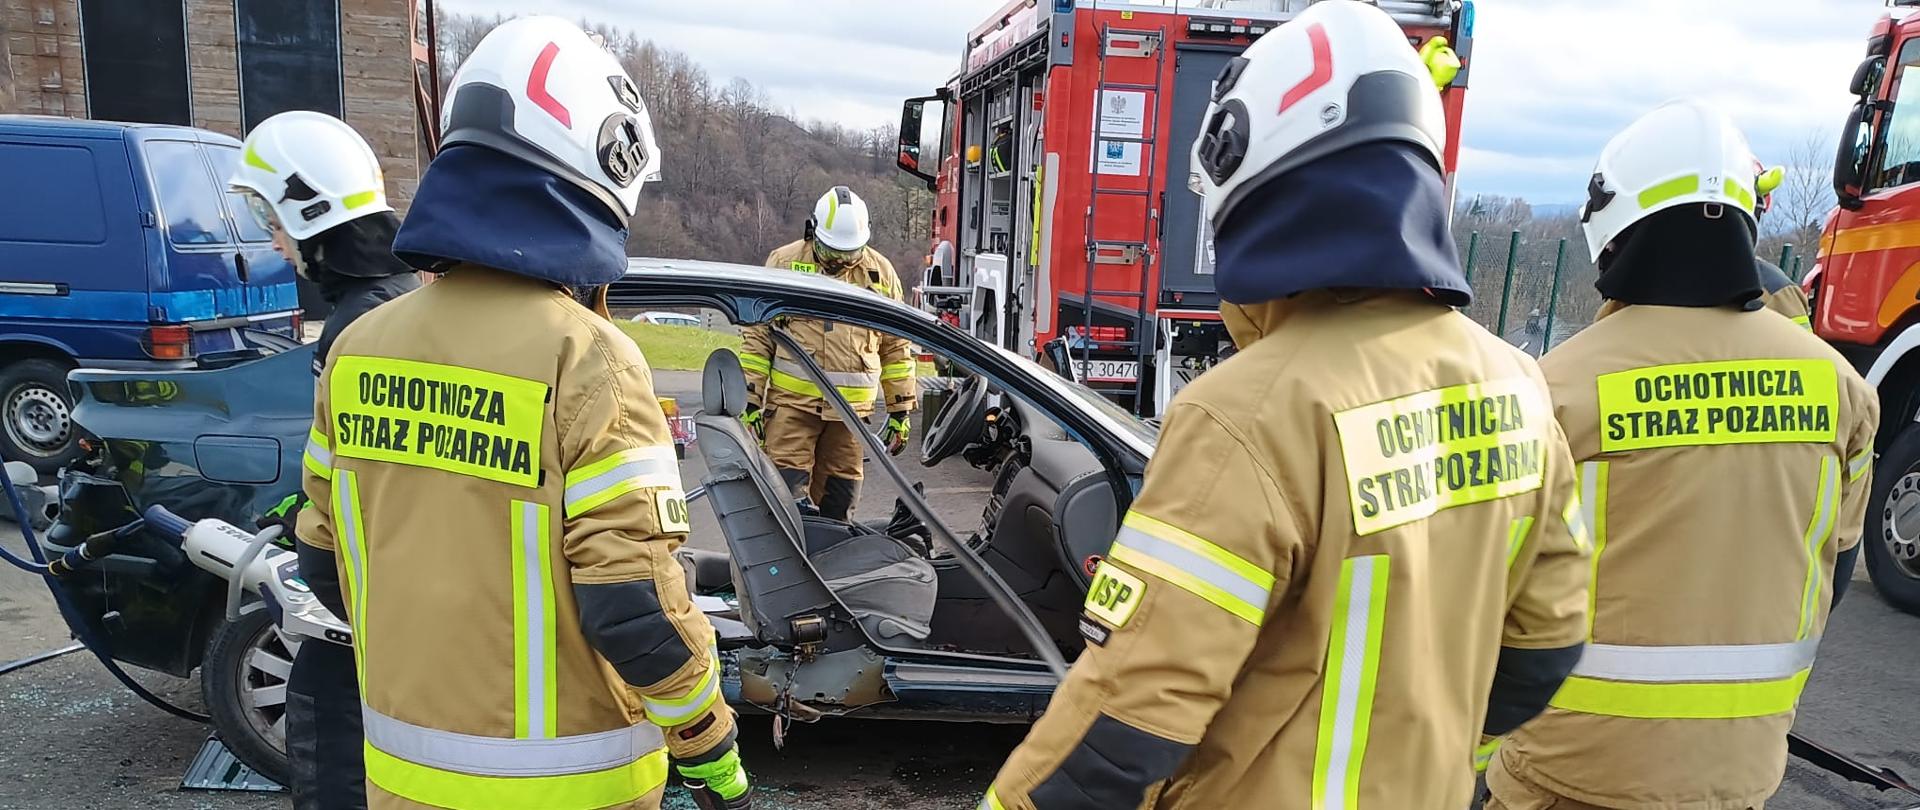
(311, 172)
(1681, 153)
(840, 221)
(542, 91)
(1338, 75)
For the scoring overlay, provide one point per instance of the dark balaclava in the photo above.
(1370, 217)
(1680, 257)
(352, 252)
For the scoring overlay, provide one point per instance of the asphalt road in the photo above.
(72, 739)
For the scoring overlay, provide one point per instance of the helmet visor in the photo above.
(262, 212)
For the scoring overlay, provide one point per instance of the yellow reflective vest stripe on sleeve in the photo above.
(1195, 565)
(1805, 322)
(447, 418)
(595, 484)
(1483, 755)
(346, 514)
(535, 627)
(671, 713)
(991, 802)
(755, 363)
(897, 371)
(318, 459)
(1346, 696)
(1717, 403)
(1859, 465)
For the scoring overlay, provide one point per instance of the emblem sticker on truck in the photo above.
(1411, 457)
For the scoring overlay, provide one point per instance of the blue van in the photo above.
(121, 248)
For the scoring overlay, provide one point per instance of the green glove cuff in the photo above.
(285, 506)
(725, 776)
(899, 423)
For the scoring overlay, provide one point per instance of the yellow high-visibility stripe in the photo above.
(346, 517)
(1576, 519)
(902, 370)
(1681, 701)
(579, 791)
(253, 159)
(536, 629)
(1483, 755)
(1739, 194)
(1819, 528)
(991, 802)
(787, 382)
(318, 458)
(1593, 510)
(352, 201)
(1859, 465)
(631, 470)
(1517, 537)
(755, 363)
(668, 713)
(1661, 192)
(1195, 565)
(1804, 321)
(1347, 689)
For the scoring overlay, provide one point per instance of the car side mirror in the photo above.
(1866, 77)
(912, 156)
(1850, 161)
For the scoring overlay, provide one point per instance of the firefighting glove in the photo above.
(720, 784)
(756, 420)
(899, 429)
(284, 514)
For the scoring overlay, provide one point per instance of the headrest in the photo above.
(723, 387)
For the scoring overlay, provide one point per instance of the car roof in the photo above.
(88, 128)
(737, 276)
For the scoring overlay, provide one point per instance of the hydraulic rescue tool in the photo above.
(253, 564)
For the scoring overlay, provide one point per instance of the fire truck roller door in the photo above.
(1186, 267)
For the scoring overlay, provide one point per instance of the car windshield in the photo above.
(1146, 431)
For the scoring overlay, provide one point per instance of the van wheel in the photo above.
(1893, 522)
(244, 682)
(37, 415)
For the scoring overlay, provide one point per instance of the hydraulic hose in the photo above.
(50, 573)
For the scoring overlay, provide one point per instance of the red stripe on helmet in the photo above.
(537, 86)
(1322, 68)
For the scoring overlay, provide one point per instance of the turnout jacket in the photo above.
(859, 362)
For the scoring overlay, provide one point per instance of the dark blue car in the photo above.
(120, 248)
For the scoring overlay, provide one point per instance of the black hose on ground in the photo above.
(75, 623)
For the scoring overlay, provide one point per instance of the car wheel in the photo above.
(1893, 522)
(244, 682)
(37, 414)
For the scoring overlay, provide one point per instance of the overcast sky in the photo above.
(1551, 81)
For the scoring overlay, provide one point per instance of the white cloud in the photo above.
(1551, 80)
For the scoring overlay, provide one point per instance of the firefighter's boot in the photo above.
(837, 501)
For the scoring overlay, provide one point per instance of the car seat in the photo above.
(887, 588)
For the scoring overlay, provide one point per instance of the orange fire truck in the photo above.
(1866, 285)
(1064, 224)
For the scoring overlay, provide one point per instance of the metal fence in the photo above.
(1528, 286)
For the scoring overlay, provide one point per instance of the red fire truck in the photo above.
(1866, 285)
(1058, 155)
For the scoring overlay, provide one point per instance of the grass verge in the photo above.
(677, 348)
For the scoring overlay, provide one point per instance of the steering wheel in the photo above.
(958, 423)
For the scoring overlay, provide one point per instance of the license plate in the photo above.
(1109, 370)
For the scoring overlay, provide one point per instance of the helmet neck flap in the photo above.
(480, 206)
(1679, 257)
(1370, 217)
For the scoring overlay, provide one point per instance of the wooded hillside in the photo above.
(741, 174)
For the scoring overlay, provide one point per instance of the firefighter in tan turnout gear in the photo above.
(1357, 547)
(817, 454)
(1724, 468)
(497, 481)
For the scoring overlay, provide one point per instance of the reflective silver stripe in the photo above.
(533, 550)
(1196, 565)
(839, 379)
(654, 467)
(1725, 662)
(670, 713)
(1858, 464)
(347, 503)
(498, 756)
(318, 452)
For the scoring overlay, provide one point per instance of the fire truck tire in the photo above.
(1892, 535)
